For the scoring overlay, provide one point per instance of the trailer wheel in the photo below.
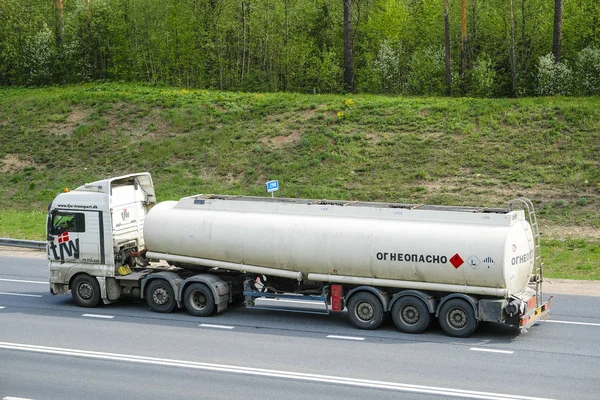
(457, 318)
(160, 296)
(365, 311)
(411, 315)
(85, 291)
(199, 300)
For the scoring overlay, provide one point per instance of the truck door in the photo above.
(75, 236)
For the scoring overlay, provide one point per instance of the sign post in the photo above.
(272, 186)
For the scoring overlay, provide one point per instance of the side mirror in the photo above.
(49, 225)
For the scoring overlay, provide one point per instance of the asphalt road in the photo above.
(50, 348)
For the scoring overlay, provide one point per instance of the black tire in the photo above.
(457, 318)
(160, 296)
(199, 300)
(365, 311)
(411, 315)
(85, 291)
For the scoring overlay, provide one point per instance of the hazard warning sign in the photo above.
(456, 260)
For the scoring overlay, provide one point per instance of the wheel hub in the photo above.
(160, 296)
(457, 318)
(410, 315)
(199, 300)
(85, 291)
(365, 311)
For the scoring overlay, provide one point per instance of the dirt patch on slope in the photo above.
(75, 118)
(12, 163)
(279, 141)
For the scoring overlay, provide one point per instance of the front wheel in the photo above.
(199, 300)
(160, 296)
(365, 311)
(457, 318)
(85, 291)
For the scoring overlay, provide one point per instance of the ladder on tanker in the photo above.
(538, 266)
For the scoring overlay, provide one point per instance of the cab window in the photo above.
(67, 222)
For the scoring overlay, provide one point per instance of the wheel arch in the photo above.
(173, 279)
(428, 299)
(469, 299)
(208, 279)
(383, 297)
(101, 281)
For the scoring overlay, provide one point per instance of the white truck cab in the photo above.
(94, 228)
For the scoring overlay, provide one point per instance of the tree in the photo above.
(463, 41)
(348, 59)
(557, 37)
(60, 22)
(447, 49)
(511, 49)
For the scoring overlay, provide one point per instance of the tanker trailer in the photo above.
(109, 239)
(460, 265)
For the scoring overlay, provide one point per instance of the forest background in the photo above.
(497, 48)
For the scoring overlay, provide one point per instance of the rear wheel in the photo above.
(365, 310)
(160, 296)
(457, 318)
(411, 315)
(85, 291)
(199, 300)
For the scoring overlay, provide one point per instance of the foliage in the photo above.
(587, 66)
(482, 77)
(388, 65)
(289, 45)
(554, 78)
(426, 74)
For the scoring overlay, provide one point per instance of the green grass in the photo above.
(23, 224)
(421, 150)
(571, 259)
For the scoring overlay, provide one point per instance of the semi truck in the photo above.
(110, 239)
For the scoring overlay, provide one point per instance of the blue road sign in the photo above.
(272, 186)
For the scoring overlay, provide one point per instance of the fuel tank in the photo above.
(388, 242)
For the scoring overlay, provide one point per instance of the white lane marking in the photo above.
(492, 350)
(1, 307)
(216, 326)
(23, 281)
(345, 337)
(98, 316)
(572, 323)
(14, 398)
(365, 383)
(21, 294)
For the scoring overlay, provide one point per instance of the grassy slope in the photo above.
(418, 150)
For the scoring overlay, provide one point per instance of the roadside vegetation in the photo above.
(454, 151)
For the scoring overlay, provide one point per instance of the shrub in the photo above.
(387, 65)
(553, 78)
(40, 55)
(324, 74)
(482, 76)
(587, 67)
(426, 75)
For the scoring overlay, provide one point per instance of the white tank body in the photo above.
(438, 245)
